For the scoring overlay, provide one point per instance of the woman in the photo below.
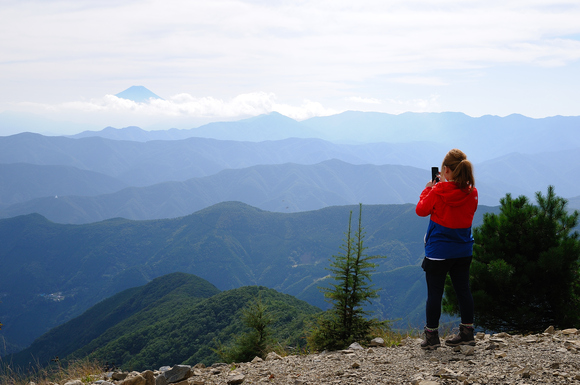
(449, 244)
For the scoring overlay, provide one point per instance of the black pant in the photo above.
(435, 274)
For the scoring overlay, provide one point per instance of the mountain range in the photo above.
(168, 178)
(256, 202)
(286, 187)
(53, 272)
(483, 138)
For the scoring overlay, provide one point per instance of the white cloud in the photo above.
(391, 37)
(314, 53)
(184, 105)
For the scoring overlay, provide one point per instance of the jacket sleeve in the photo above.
(426, 202)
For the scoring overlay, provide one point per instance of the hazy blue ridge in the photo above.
(142, 164)
(482, 137)
(21, 182)
(295, 187)
(280, 188)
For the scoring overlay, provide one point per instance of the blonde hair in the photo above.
(461, 169)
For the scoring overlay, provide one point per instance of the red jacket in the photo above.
(451, 210)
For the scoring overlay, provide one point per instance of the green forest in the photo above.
(177, 318)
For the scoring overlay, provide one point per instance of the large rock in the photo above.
(135, 380)
(176, 374)
(149, 377)
(118, 376)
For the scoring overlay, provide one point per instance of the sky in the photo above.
(228, 59)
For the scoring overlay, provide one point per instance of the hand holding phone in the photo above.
(435, 174)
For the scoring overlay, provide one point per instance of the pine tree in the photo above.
(525, 271)
(351, 269)
(255, 342)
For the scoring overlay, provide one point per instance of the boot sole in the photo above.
(431, 347)
(467, 343)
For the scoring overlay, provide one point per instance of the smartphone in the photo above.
(434, 173)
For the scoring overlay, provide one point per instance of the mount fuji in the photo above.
(137, 94)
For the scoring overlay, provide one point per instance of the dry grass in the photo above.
(83, 370)
(391, 337)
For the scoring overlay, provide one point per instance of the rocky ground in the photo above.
(552, 357)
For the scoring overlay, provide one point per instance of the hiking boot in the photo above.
(465, 337)
(431, 341)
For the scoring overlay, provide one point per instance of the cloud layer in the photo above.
(301, 58)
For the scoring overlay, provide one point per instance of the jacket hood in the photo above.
(451, 194)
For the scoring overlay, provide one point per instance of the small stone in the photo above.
(236, 379)
(377, 342)
(444, 373)
(468, 350)
(417, 377)
(355, 365)
(74, 382)
(273, 356)
(355, 346)
(136, 380)
(525, 372)
(501, 355)
(257, 359)
(570, 331)
(550, 330)
(118, 376)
